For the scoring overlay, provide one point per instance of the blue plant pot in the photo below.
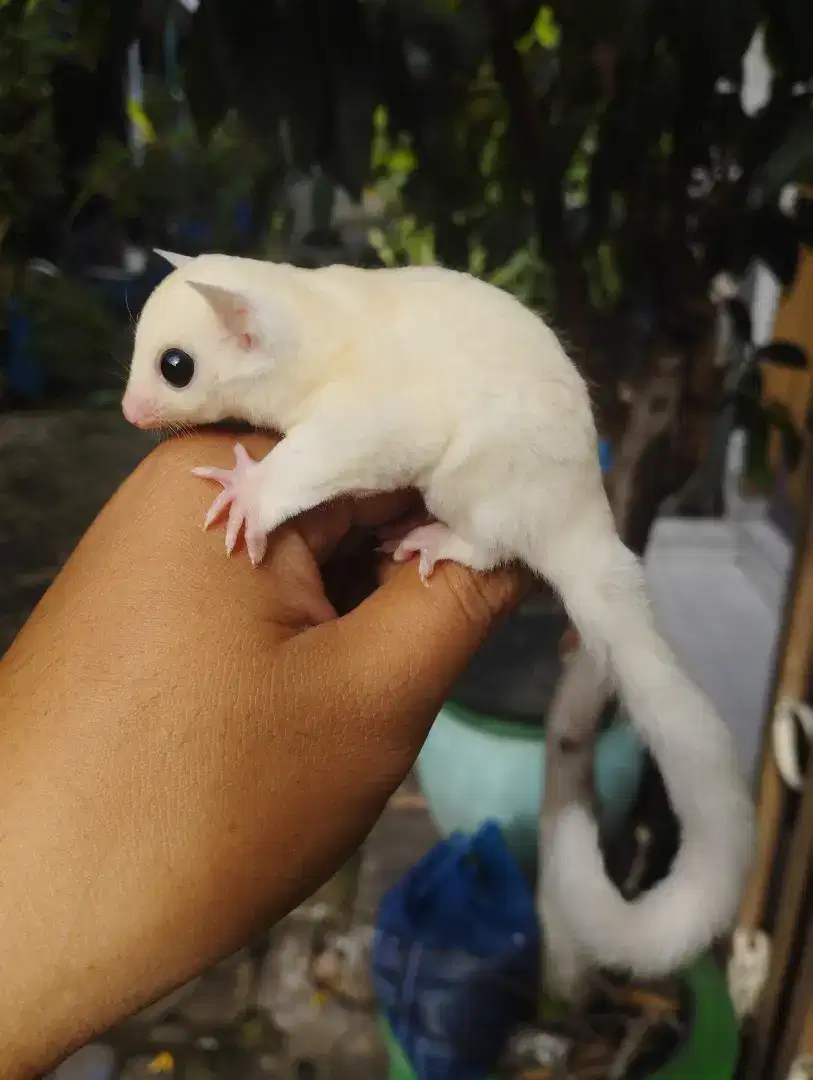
(474, 767)
(23, 367)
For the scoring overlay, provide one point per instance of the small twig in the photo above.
(630, 1047)
(632, 883)
(571, 729)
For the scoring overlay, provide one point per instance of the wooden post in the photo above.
(786, 993)
(790, 387)
(777, 892)
(790, 680)
(796, 1036)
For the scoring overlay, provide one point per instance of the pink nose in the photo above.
(137, 412)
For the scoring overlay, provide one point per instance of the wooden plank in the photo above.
(794, 322)
(777, 892)
(790, 680)
(785, 977)
(796, 1036)
(780, 879)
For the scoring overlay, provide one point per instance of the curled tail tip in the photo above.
(664, 929)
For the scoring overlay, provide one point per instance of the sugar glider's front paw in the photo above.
(241, 491)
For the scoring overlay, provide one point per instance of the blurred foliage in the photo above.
(75, 335)
(594, 158)
(605, 142)
(404, 241)
(597, 159)
(179, 178)
(578, 128)
(32, 40)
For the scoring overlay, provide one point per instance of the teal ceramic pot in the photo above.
(475, 767)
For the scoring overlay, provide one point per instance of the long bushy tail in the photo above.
(668, 926)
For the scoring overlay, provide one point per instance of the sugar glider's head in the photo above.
(205, 337)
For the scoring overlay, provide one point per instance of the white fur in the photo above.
(421, 376)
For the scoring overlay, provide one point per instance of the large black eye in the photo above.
(177, 367)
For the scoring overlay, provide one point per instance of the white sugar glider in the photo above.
(430, 378)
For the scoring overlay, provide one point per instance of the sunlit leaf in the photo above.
(139, 119)
(791, 162)
(402, 160)
(544, 31)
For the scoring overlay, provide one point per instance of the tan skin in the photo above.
(190, 747)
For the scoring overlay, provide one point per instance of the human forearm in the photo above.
(178, 763)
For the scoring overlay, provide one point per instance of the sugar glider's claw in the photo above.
(426, 564)
(242, 457)
(256, 543)
(234, 525)
(217, 508)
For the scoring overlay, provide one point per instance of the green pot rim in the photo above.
(504, 724)
(495, 723)
(706, 1053)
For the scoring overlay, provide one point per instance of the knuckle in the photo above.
(481, 598)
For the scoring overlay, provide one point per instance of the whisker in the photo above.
(133, 322)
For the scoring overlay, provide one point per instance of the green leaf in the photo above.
(803, 219)
(323, 197)
(268, 60)
(203, 88)
(773, 239)
(740, 318)
(791, 162)
(779, 418)
(751, 384)
(544, 31)
(789, 38)
(353, 107)
(103, 27)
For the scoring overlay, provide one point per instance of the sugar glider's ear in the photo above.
(239, 313)
(173, 258)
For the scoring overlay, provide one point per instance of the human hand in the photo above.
(191, 746)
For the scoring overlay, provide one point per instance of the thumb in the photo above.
(394, 659)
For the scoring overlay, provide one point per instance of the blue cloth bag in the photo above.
(456, 956)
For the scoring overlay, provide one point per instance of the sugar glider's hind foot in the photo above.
(437, 543)
(393, 533)
(240, 496)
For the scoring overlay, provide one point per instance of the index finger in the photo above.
(392, 661)
(324, 527)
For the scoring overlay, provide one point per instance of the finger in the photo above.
(284, 594)
(393, 532)
(326, 526)
(394, 658)
(381, 510)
